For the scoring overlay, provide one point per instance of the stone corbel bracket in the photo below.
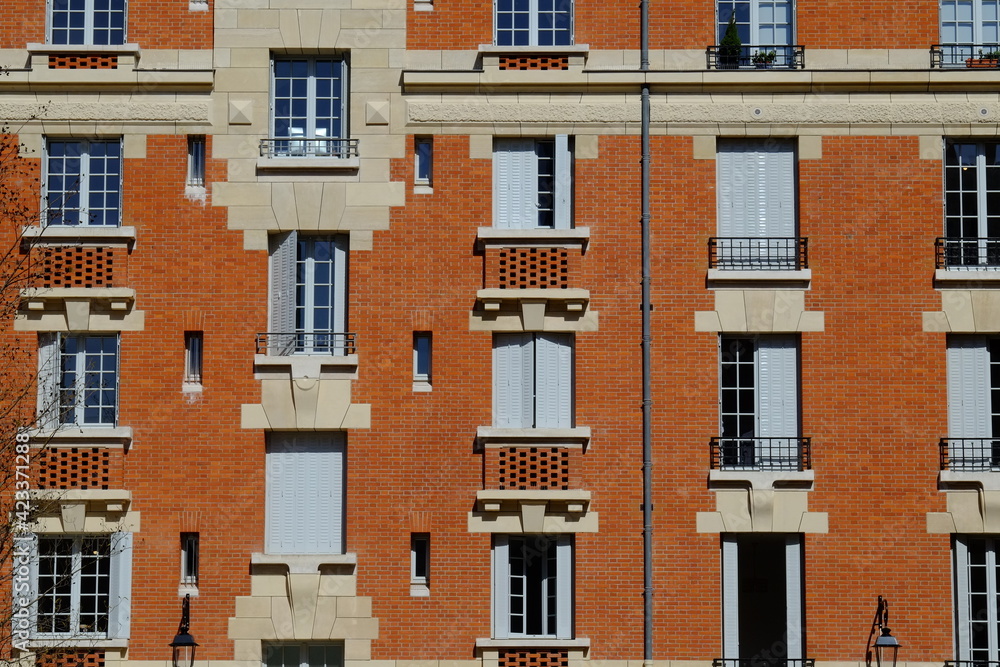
(973, 500)
(532, 511)
(761, 502)
(83, 510)
(759, 311)
(309, 392)
(78, 309)
(533, 309)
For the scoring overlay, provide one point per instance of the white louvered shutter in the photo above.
(964, 617)
(968, 387)
(120, 588)
(341, 242)
(564, 183)
(777, 387)
(513, 380)
(284, 248)
(735, 208)
(793, 595)
(730, 598)
(501, 587)
(515, 184)
(553, 380)
(49, 372)
(564, 587)
(777, 178)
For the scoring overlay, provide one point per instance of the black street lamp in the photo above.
(184, 644)
(886, 646)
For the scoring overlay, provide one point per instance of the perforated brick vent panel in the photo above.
(534, 62)
(83, 62)
(522, 268)
(76, 468)
(541, 468)
(78, 659)
(79, 267)
(533, 659)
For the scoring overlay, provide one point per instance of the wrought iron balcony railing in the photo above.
(974, 56)
(967, 252)
(972, 663)
(970, 454)
(282, 344)
(758, 254)
(761, 454)
(758, 661)
(757, 56)
(314, 147)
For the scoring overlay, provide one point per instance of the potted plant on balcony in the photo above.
(731, 46)
(764, 59)
(984, 60)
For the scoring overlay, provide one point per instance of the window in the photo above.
(969, 25)
(534, 22)
(304, 655)
(420, 564)
(532, 183)
(78, 379)
(423, 155)
(762, 594)
(193, 345)
(196, 161)
(533, 380)
(87, 22)
(189, 558)
(533, 586)
(763, 25)
(973, 402)
(308, 295)
(422, 357)
(83, 182)
(83, 585)
(977, 601)
(305, 493)
(309, 107)
(972, 204)
(759, 402)
(756, 207)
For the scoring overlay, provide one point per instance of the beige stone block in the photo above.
(707, 321)
(704, 147)
(375, 80)
(586, 147)
(370, 58)
(760, 307)
(247, 649)
(986, 306)
(338, 585)
(812, 321)
(931, 148)
(222, 56)
(422, 60)
(303, 591)
(297, 205)
(355, 19)
(31, 145)
(814, 522)
(134, 146)
(941, 523)
(734, 506)
(268, 585)
(257, 18)
(936, 322)
(362, 240)
(236, 146)
(253, 417)
(789, 506)
(358, 416)
(252, 217)
(957, 306)
(243, 194)
(394, 17)
(788, 306)
(964, 506)
(305, 398)
(242, 79)
(383, 146)
(236, 38)
(251, 628)
(358, 607)
(253, 607)
(326, 614)
(459, 60)
(276, 399)
(730, 306)
(358, 649)
(377, 112)
(281, 618)
(355, 628)
(810, 147)
(334, 201)
(160, 58)
(250, 57)
(194, 59)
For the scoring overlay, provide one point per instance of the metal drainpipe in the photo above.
(647, 398)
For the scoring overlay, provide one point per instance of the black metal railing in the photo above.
(759, 661)
(972, 663)
(756, 254)
(757, 56)
(970, 454)
(761, 454)
(974, 56)
(967, 252)
(303, 147)
(282, 344)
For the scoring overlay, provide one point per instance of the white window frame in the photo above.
(423, 161)
(194, 357)
(537, 33)
(306, 491)
(53, 408)
(965, 560)
(423, 355)
(533, 183)
(89, 26)
(307, 138)
(981, 31)
(118, 581)
(758, 23)
(420, 554)
(533, 380)
(197, 152)
(972, 412)
(508, 617)
(54, 199)
(977, 252)
(304, 657)
(794, 596)
(294, 308)
(190, 555)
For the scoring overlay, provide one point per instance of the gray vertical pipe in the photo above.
(647, 393)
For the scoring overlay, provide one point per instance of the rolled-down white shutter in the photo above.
(730, 598)
(554, 380)
(284, 248)
(513, 380)
(515, 184)
(968, 387)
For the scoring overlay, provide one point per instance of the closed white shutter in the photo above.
(515, 184)
(968, 387)
(778, 399)
(553, 380)
(513, 380)
(564, 587)
(756, 183)
(961, 556)
(49, 371)
(730, 598)
(120, 586)
(777, 178)
(564, 183)
(793, 595)
(735, 208)
(340, 288)
(284, 248)
(305, 493)
(501, 587)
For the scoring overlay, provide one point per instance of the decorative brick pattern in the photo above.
(74, 659)
(525, 658)
(80, 267)
(522, 268)
(534, 62)
(78, 468)
(83, 62)
(540, 468)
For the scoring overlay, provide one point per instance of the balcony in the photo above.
(970, 454)
(761, 454)
(972, 56)
(758, 254)
(758, 661)
(316, 343)
(309, 153)
(967, 253)
(972, 663)
(757, 56)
